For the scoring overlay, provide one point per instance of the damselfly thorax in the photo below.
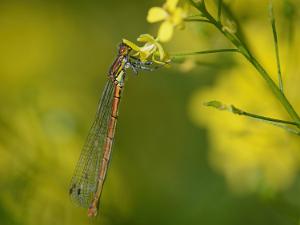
(121, 63)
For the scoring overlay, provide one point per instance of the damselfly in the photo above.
(89, 176)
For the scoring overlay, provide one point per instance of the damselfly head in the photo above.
(124, 49)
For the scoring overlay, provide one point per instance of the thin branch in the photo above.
(205, 52)
(210, 65)
(243, 113)
(273, 24)
(276, 122)
(196, 20)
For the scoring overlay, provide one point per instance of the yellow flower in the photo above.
(152, 48)
(171, 15)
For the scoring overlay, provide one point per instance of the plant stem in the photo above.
(205, 52)
(243, 113)
(276, 91)
(276, 122)
(196, 20)
(247, 54)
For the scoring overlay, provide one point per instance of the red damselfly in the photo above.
(90, 172)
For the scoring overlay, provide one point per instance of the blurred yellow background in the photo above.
(174, 161)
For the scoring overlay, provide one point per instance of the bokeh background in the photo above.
(174, 161)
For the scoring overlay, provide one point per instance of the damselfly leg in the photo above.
(136, 65)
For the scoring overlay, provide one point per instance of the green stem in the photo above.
(243, 113)
(275, 122)
(196, 20)
(245, 51)
(278, 93)
(204, 52)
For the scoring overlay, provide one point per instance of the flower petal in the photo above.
(170, 5)
(177, 16)
(146, 38)
(131, 45)
(157, 61)
(144, 56)
(156, 14)
(161, 51)
(165, 31)
(148, 48)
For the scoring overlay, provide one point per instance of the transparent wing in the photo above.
(85, 178)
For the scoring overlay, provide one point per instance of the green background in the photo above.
(54, 60)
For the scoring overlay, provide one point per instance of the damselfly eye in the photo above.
(78, 191)
(124, 49)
